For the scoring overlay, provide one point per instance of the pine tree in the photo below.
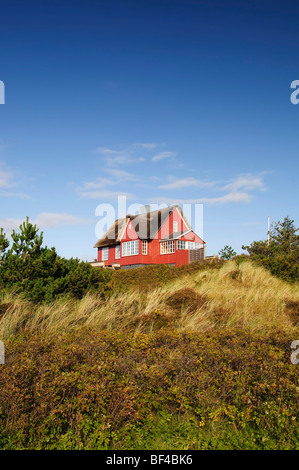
(227, 252)
(283, 234)
(4, 243)
(27, 242)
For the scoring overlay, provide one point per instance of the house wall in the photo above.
(167, 227)
(179, 257)
(191, 237)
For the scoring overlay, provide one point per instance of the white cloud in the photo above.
(121, 174)
(104, 194)
(114, 158)
(163, 156)
(106, 151)
(49, 220)
(98, 183)
(146, 145)
(246, 181)
(186, 183)
(14, 194)
(8, 181)
(44, 220)
(97, 189)
(9, 224)
(235, 197)
(6, 177)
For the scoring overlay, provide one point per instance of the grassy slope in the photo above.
(200, 361)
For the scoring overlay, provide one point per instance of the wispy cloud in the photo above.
(227, 198)
(6, 177)
(49, 220)
(98, 183)
(163, 156)
(99, 188)
(105, 194)
(181, 183)
(115, 158)
(8, 181)
(238, 190)
(14, 194)
(146, 145)
(247, 182)
(122, 175)
(44, 220)
(137, 152)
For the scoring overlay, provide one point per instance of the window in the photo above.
(144, 247)
(117, 252)
(193, 245)
(130, 248)
(166, 247)
(181, 245)
(175, 226)
(105, 254)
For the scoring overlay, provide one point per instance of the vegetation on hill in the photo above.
(281, 255)
(197, 357)
(39, 274)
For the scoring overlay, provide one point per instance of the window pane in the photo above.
(105, 254)
(130, 248)
(167, 247)
(144, 247)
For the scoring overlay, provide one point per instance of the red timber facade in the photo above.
(158, 237)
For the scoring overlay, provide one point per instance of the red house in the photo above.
(158, 237)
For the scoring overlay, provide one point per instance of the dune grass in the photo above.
(234, 296)
(198, 359)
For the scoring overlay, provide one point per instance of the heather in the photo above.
(197, 357)
(201, 362)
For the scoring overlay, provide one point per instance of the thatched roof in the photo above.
(146, 225)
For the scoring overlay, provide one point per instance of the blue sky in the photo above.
(163, 101)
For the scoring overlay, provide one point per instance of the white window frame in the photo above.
(175, 226)
(144, 247)
(185, 245)
(117, 252)
(105, 253)
(193, 245)
(167, 247)
(130, 248)
(181, 245)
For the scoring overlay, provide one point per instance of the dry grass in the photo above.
(233, 296)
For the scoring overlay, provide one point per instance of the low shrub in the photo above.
(101, 390)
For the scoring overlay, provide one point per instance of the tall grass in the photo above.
(234, 296)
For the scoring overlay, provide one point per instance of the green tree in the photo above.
(281, 254)
(4, 243)
(283, 235)
(28, 241)
(227, 252)
(40, 274)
